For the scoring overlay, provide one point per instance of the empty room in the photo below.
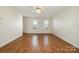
(39, 29)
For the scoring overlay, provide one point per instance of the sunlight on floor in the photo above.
(35, 41)
(46, 40)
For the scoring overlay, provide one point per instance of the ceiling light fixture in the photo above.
(37, 10)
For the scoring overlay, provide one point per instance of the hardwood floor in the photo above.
(38, 43)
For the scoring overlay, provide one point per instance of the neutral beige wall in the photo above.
(66, 25)
(10, 25)
(28, 28)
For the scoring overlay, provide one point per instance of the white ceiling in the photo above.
(47, 11)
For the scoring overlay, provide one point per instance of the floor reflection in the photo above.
(46, 40)
(35, 41)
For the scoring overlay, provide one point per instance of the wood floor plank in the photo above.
(39, 43)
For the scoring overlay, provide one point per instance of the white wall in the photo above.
(10, 25)
(28, 28)
(66, 25)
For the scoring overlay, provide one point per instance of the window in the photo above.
(46, 24)
(35, 24)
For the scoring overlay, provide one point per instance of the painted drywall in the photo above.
(66, 25)
(28, 25)
(10, 25)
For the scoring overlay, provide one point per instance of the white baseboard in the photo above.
(10, 40)
(66, 40)
(39, 33)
